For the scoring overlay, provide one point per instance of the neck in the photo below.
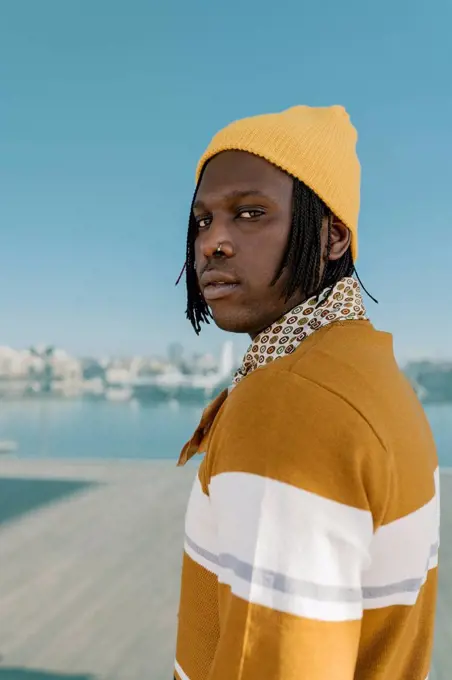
(296, 299)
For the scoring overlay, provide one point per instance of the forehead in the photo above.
(239, 171)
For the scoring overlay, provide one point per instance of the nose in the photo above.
(215, 241)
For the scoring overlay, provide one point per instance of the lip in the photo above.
(216, 277)
(216, 285)
(217, 291)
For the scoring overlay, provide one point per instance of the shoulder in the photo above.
(280, 425)
(293, 401)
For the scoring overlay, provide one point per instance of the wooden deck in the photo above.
(90, 560)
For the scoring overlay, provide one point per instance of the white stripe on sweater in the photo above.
(280, 546)
(201, 530)
(402, 553)
(294, 551)
(181, 673)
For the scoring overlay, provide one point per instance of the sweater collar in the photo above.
(343, 301)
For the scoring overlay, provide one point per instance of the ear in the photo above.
(340, 237)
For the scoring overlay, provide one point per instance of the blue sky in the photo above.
(105, 107)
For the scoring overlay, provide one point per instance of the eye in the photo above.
(203, 222)
(250, 214)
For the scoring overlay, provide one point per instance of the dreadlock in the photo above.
(302, 256)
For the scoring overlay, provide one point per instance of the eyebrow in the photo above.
(238, 193)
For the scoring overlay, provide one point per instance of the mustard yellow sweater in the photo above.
(312, 530)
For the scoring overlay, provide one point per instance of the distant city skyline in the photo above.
(51, 372)
(106, 108)
(167, 355)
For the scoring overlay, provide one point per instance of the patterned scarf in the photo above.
(283, 337)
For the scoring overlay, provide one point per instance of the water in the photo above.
(81, 429)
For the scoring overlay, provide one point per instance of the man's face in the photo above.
(245, 204)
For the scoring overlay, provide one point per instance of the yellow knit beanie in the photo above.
(315, 144)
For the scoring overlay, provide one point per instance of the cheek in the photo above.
(267, 253)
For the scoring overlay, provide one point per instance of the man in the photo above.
(313, 526)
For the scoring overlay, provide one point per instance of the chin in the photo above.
(235, 323)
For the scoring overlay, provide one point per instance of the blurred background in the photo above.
(105, 108)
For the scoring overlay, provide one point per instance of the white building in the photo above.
(16, 364)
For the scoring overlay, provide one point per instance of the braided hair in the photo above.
(302, 256)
